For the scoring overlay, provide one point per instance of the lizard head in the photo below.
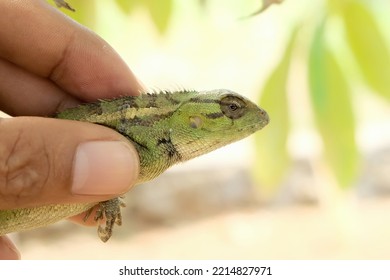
(208, 120)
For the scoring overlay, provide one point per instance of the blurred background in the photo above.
(313, 184)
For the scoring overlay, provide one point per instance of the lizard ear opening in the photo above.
(195, 122)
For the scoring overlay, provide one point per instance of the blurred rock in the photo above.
(182, 196)
(375, 176)
(300, 185)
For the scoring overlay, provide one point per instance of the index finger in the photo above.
(48, 44)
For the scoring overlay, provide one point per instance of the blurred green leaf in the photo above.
(272, 158)
(368, 46)
(331, 100)
(126, 6)
(161, 12)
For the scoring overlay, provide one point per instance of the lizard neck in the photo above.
(155, 159)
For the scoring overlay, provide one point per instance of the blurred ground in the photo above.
(214, 214)
(299, 232)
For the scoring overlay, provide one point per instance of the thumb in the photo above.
(50, 161)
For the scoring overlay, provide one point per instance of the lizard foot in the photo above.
(110, 211)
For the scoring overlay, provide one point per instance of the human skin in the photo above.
(48, 63)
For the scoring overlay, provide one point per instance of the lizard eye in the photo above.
(233, 107)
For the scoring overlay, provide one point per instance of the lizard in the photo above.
(166, 128)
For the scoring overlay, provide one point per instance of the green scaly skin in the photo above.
(166, 128)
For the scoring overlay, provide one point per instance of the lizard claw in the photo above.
(110, 210)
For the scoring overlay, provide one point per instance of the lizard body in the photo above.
(165, 128)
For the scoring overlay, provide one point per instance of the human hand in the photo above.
(48, 63)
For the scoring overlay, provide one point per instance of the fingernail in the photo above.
(104, 168)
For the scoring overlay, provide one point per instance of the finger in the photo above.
(47, 43)
(8, 250)
(48, 161)
(24, 93)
